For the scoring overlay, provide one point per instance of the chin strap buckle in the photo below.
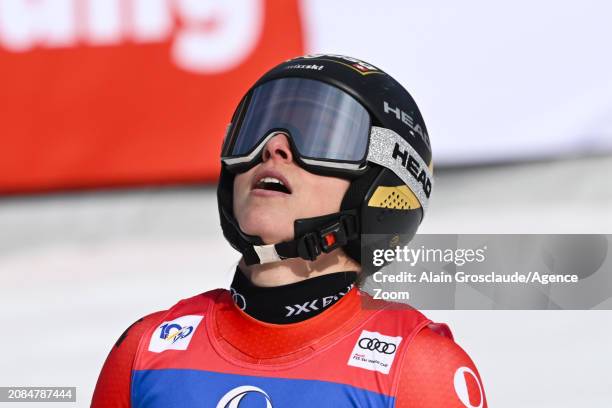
(328, 238)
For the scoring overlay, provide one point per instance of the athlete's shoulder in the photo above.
(437, 372)
(394, 313)
(142, 325)
(112, 388)
(136, 329)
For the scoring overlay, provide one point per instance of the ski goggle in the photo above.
(329, 131)
(327, 127)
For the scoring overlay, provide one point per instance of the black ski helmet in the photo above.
(387, 198)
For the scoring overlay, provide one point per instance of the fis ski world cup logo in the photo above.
(175, 334)
(374, 351)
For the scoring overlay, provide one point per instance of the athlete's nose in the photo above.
(277, 148)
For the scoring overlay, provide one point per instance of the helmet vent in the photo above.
(396, 202)
(394, 198)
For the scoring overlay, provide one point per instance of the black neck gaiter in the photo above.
(290, 303)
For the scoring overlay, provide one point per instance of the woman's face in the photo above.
(265, 208)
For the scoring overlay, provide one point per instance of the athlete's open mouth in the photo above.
(270, 183)
(273, 182)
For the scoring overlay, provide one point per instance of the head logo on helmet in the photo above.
(415, 128)
(386, 153)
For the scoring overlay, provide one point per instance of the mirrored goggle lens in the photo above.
(323, 121)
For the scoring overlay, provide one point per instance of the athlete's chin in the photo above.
(272, 226)
(267, 207)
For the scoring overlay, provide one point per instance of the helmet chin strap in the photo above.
(313, 236)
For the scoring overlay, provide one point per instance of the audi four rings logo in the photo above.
(374, 351)
(377, 345)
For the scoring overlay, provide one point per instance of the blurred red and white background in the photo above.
(111, 119)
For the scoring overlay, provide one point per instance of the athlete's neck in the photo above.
(293, 302)
(297, 269)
